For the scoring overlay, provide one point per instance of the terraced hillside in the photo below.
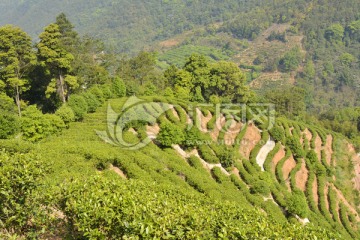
(292, 172)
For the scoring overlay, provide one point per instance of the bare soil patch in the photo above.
(219, 124)
(315, 191)
(301, 177)
(341, 197)
(326, 193)
(203, 120)
(118, 171)
(236, 172)
(278, 156)
(288, 166)
(251, 138)
(232, 132)
(174, 112)
(318, 147)
(328, 149)
(169, 43)
(308, 134)
(152, 131)
(356, 163)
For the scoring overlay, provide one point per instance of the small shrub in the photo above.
(36, 126)
(79, 106)
(66, 114)
(9, 125)
(92, 102)
(118, 87)
(106, 90)
(193, 137)
(170, 134)
(96, 91)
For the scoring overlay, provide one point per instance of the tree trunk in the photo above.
(62, 87)
(17, 100)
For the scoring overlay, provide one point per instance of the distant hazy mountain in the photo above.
(123, 23)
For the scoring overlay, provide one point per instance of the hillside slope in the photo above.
(304, 165)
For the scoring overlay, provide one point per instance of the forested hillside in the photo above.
(125, 24)
(326, 67)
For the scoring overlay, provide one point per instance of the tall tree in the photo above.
(227, 80)
(69, 37)
(16, 61)
(57, 60)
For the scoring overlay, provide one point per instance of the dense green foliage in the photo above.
(56, 93)
(20, 175)
(162, 212)
(170, 134)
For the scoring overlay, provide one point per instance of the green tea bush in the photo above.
(238, 183)
(248, 178)
(297, 130)
(274, 211)
(211, 123)
(332, 196)
(306, 143)
(270, 156)
(280, 165)
(296, 204)
(20, 176)
(194, 137)
(345, 221)
(219, 175)
(293, 175)
(322, 205)
(277, 133)
(196, 163)
(161, 212)
(295, 146)
(251, 168)
(312, 157)
(241, 135)
(309, 192)
(278, 196)
(329, 171)
(225, 155)
(314, 134)
(207, 154)
(181, 113)
(322, 135)
(170, 115)
(260, 187)
(16, 146)
(255, 151)
(286, 128)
